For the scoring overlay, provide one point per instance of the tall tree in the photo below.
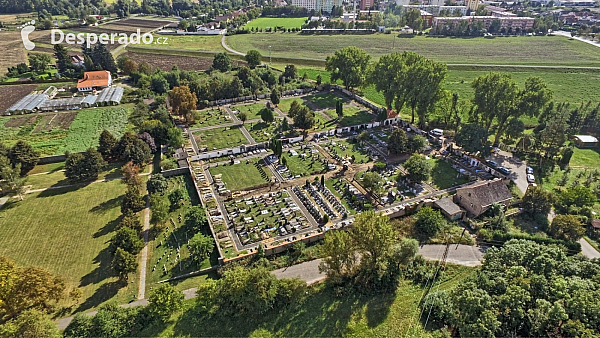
(85, 166)
(128, 240)
(107, 144)
(348, 64)
(397, 142)
(22, 153)
(340, 259)
(164, 301)
(183, 102)
(303, 117)
(11, 182)
(157, 184)
(567, 227)
(222, 62)
(266, 115)
(428, 222)
(275, 96)
(253, 58)
(418, 168)
(473, 138)
(124, 263)
(200, 247)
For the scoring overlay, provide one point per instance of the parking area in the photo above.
(516, 166)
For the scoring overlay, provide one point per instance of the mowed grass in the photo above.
(211, 117)
(585, 158)
(209, 43)
(531, 50)
(67, 232)
(322, 314)
(326, 100)
(242, 175)
(443, 176)
(220, 138)
(56, 177)
(303, 166)
(252, 110)
(261, 131)
(263, 23)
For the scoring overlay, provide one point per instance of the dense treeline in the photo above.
(523, 290)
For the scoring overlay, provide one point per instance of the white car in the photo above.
(529, 170)
(530, 178)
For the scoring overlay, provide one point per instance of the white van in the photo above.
(436, 132)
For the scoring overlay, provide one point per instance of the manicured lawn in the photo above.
(585, 158)
(323, 121)
(252, 110)
(44, 168)
(303, 166)
(354, 115)
(49, 178)
(175, 236)
(242, 175)
(285, 104)
(220, 138)
(322, 314)
(540, 50)
(444, 176)
(326, 100)
(263, 23)
(211, 117)
(67, 231)
(261, 131)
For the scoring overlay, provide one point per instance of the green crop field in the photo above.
(242, 175)
(67, 231)
(263, 23)
(532, 50)
(68, 131)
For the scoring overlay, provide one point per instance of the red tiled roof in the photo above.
(391, 114)
(94, 79)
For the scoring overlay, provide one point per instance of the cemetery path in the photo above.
(229, 49)
(144, 255)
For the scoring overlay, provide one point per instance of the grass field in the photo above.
(326, 100)
(220, 138)
(211, 117)
(252, 110)
(263, 23)
(532, 50)
(242, 175)
(56, 177)
(210, 43)
(322, 314)
(67, 232)
(444, 176)
(303, 166)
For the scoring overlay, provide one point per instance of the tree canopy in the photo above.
(348, 64)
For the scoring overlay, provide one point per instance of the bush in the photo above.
(499, 238)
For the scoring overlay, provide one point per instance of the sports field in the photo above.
(263, 23)
(67, 231)
(531, 50)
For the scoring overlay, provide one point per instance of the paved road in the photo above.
(567, 34)
(231, 50)
(307, 271)
(458, 254)
(587, 250)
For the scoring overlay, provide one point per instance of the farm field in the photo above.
(12, 94)
(67, 232)
(242, 175)
(533, 50)
(220, 138)
(55, 133)
(166, 62)
(263, 23)
(322, 314)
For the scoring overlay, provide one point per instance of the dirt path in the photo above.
(144, 255)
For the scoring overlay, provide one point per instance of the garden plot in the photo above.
(342, 150)
(211, 117)
(265, 216)
(240, 176)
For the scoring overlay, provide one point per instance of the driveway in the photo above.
(517, 166)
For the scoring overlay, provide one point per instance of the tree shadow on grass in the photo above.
(105, 292)
(102, 272)
(63, 187)
(323, 314)
(107, 205)
(109, 227)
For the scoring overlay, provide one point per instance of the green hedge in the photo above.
(499, 238)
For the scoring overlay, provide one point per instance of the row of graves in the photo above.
(355, 199)
(325, 195)
(261, 217)
(309, 204)
(317, 165)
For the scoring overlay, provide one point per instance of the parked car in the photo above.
(529, 170)
(505, 171)
(436, 132)
(491, 163)
(530, 178)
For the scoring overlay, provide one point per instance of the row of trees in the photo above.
(15, 163)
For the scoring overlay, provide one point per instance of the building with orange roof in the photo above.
(94, 81)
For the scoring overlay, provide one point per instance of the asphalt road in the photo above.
(517, 166)
(587, 250)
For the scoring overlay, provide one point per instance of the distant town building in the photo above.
(366, 4)
(317, 5)
(522, 23)
(472, 4)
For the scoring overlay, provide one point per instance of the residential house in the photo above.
(477, 198)
(94, 81)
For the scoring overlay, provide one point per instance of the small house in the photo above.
(585, 141)
(450, 209)
(94, 81)
(477, 198)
